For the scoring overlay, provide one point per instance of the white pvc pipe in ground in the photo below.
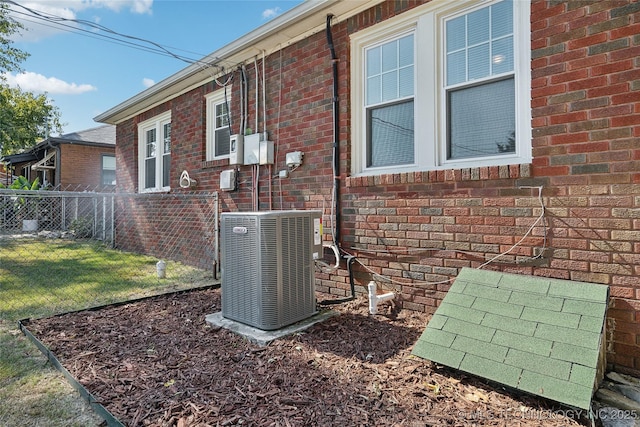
(374, 298)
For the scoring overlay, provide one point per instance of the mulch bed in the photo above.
(156, 362)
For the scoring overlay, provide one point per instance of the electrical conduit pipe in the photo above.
(375, 299)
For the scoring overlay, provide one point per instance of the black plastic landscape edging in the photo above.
(51, 357)
(95, 405)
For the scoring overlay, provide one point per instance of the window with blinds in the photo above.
(480, 88)
(444, 85)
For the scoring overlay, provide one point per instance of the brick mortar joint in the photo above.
(443, 175)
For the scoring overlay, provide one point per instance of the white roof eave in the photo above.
(300, 22)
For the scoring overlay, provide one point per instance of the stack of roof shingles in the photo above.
(535, 334)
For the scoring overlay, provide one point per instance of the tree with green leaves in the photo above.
(25, 117)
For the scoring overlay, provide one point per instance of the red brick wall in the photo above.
(586, 148)
(420, 228)
(81, 165)
(127, 157)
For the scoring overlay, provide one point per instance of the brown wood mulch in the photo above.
(156, 362)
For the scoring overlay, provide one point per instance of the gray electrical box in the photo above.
(267, 262)
(252, 147)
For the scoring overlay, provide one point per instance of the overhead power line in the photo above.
(92, 35)
(112, 36)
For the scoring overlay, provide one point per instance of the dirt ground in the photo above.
(157, 362)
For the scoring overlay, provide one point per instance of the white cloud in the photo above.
(34, 28)
(147, 82)
(33, 82)
(135, 6)
(37, 29)
(270, 13)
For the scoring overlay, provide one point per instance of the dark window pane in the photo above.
(391, 135)
(150, 173)
(482, 120)
(166, 165)
(108, 177)
(222, 142)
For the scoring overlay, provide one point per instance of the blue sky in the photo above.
(85, 74)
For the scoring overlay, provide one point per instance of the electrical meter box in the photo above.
(236, 149)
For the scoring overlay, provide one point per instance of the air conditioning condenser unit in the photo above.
(267, 264)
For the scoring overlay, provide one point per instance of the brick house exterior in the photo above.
(74, 161)
(579, 145)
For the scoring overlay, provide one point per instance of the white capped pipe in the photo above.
(374, 298)
(161, 269)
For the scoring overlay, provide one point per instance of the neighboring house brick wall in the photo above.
(81, 165)
(586, 133)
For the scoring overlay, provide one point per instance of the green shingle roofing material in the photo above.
(535, 334)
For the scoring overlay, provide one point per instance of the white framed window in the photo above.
(154, 154)
(108, 175)
(389, 74)
(218, 120)
(446, 85)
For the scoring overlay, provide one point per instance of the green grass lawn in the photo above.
(32, 393)
(43, 277)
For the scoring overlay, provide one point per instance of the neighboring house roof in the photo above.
(296, 24)
(104, 136)
(536, 334)
(19, 158)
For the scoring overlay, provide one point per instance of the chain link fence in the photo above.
(70, 250)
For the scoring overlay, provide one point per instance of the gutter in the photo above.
(58, 141)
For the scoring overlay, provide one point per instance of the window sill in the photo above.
(448, 175)
(156, 190)
(206, 164)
